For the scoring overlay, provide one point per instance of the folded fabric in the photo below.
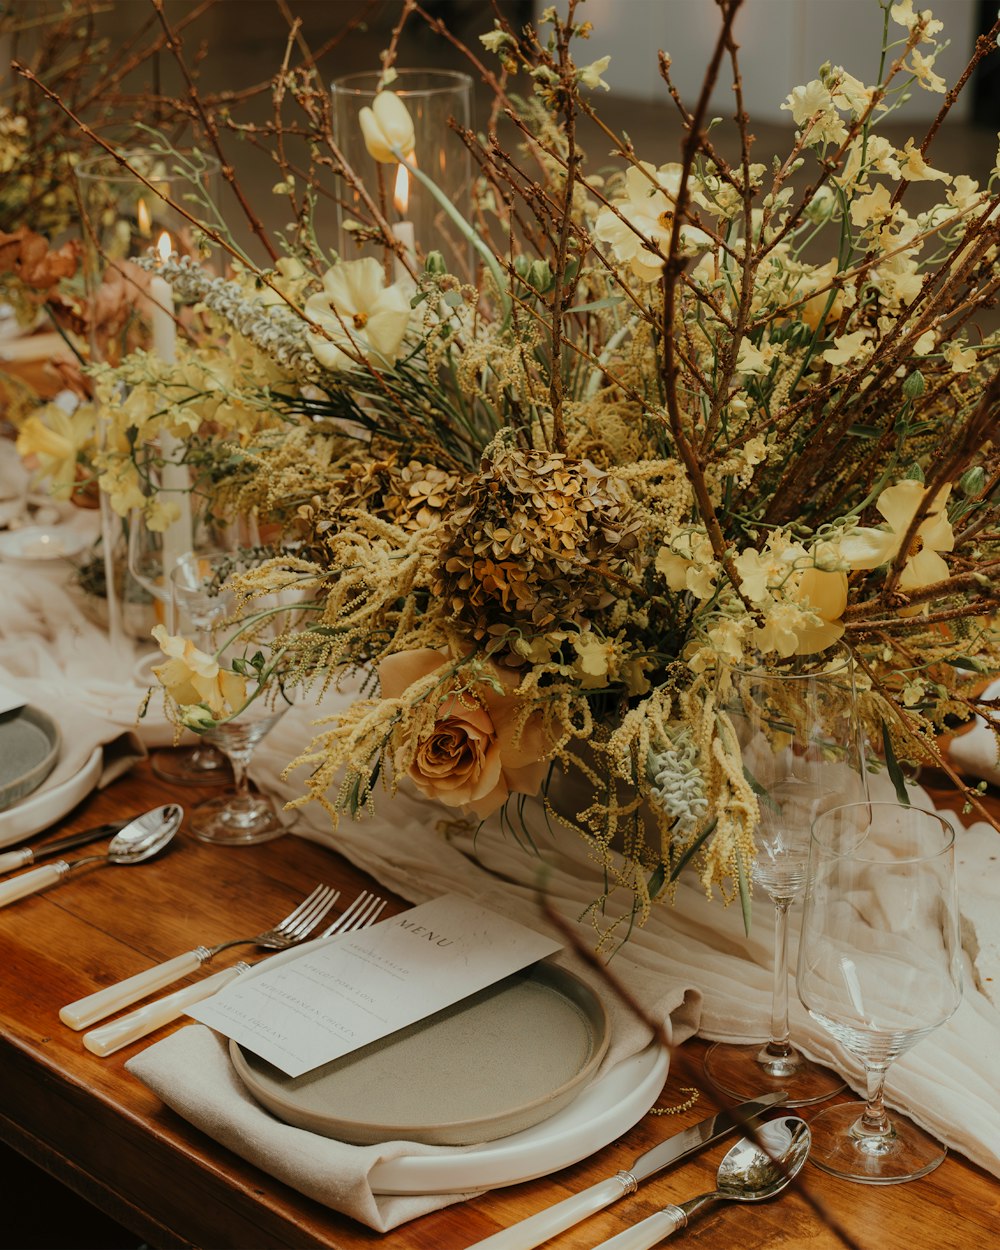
(191, 1072)
(81, 733)
(46, 639)
(976, 752)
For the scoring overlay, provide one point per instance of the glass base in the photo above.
(838, 1147)
(203, 765)
(745, 1071)
(232, 821)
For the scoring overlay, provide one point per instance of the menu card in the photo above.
(341, 993)
(9, 699)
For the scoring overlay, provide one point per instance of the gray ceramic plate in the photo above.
(29, 748)
(498, 1062)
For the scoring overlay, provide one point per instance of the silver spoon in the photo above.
(746, 1174)
(140, 839)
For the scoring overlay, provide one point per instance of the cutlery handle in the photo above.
(648, 1232)
(111, 1037)
(123, 993)
(31, 882)
(16, 859)
(527, 1234)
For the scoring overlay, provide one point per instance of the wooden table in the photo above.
(99, 1131)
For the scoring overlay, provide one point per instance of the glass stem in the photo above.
(874, 1121)
(779, 1045)
(240, 760)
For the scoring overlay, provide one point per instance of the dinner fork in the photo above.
(295, 927)
(364, 911)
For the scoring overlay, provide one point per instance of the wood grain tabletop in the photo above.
(98, 1130)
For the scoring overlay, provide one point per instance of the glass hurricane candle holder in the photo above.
(125, 211)
(418, 222)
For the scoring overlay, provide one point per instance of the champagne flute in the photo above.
(879, 967)
(799, 737)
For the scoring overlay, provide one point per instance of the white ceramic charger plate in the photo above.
(608, 1107)
(457, 1077)
(45, 807)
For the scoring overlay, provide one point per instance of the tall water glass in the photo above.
(880, 968)
(799, 736)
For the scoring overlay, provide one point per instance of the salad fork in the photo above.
(295, 927)
(364, 911)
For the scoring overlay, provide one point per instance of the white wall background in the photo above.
(782, 42)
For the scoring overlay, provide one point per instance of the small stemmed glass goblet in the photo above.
(240, 817)
(880, 968)
(799, 738)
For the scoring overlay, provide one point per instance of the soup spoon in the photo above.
(139, 840)
(746, 1174)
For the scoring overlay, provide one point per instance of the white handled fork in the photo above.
(364, 911)
(296, 927)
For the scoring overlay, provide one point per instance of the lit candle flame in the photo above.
(401, 194)
(144, 218)
(164, 246)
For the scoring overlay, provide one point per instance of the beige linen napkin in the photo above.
(191, 1072)
(80, 733)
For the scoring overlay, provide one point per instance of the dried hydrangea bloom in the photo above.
(536, 538)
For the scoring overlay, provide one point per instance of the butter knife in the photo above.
(534, 1230)
(31, 854)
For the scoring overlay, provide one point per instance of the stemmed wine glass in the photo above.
(879, 967)
(202, 591)
(799, 737)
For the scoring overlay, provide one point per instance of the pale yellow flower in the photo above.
(914, 168)
(360, 313)
(922, 68)
(192, 677)
(590, 75)
(54, 439)
(645, 215)
(903, 13)
(387, 128)
(875, 206)
(960, 357)
(846, 348)
(870, 548)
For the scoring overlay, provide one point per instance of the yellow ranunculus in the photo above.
(54, 438)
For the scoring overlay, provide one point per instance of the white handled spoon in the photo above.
(746, 1174)
(139, 840)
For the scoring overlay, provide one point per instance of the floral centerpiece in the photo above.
(691, 413)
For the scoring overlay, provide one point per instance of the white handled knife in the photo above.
(538, 1228)
(32, 854)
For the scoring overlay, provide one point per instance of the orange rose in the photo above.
(473, 757)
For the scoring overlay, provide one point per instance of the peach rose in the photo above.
(472, 757)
